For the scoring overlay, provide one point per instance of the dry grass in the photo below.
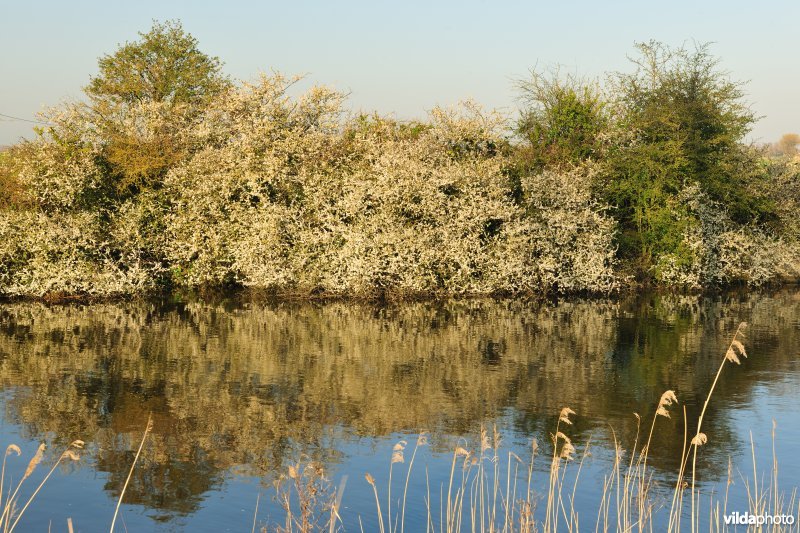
(493, 491)
(11, 511)
(147, 431)
(306, 497)
(480, 497)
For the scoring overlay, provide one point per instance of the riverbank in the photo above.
(247, 185)
(243, 294)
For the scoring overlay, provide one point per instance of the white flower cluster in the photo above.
(64, 254)
(723, 252)
(285, 194)
(287, 200)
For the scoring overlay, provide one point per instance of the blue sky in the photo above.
(404, 57)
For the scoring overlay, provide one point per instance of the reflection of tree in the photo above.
(168, 485)
(247, 386)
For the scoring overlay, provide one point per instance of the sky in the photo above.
(403, 58)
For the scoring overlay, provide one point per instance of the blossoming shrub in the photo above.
(285, 197)
(71, 236)
(721, 252)
(782, 189)
(64, 254)
(568, 235)
(61, 169)
(284, 194)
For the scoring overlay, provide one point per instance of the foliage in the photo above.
(687, 121)
(145, 95)
(173, 176)
(567, 238)
(781, 187)
(62, 169)
(12, 192)
(676, 120)
(65, 254)
(563, 120)
(284, 194)
(279, 200)
(164, 66)
(714, 250)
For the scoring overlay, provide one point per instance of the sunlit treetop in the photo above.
(165, 65)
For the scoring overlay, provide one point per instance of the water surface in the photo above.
(239, 391)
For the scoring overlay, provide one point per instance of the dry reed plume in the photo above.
(491, 491)
(11, 513)
(478, 496)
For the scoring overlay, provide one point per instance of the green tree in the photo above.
(561, 121)
(145, 95)
(165, 65)
(680, 120)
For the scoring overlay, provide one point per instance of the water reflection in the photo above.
(240, 388)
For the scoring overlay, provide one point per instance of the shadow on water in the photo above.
(243, 388)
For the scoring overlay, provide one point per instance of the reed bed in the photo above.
(491, 490)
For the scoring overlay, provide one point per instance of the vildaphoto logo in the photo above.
(745, 518)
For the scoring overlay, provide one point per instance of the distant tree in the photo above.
(165, 65)
(787, 145)
(145, 95)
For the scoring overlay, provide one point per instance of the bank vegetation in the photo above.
(170, 176)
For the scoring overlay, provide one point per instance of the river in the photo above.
(239, 391)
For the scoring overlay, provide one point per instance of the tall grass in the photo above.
(480, 497)
(493, 491)
(11, 511)
(147, 430)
